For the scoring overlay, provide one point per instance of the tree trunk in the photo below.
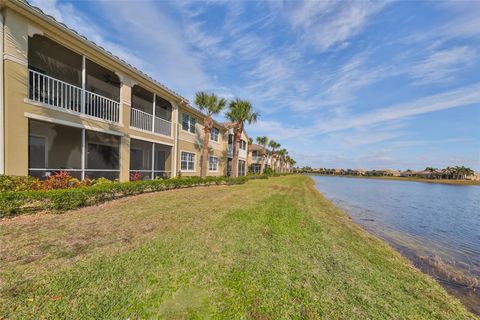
(262, 165)
(236, 147)
(206, 139)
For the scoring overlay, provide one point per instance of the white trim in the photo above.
(150, 140)
(128, 103)
(195, 126)
(218, 135)
(194, 161)
(10, 57)
(84, 82)
(70, 124)
(150, 132)
(188, 132)
(218, 160)
(78, 114)
(53, 169)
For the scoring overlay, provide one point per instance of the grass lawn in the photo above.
(268, 249)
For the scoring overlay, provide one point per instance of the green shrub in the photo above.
(19, 183)
(268, 171)
(60, 200)
(101, 181)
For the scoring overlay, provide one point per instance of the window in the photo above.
(52, 148)
(214, 134)
(37, 150)
(141, 160)
(255, 168)
(188, 123)
(230, 138)
(188, 161)
(103, 155)
(241, 168)
(212, 163)
(243, 145)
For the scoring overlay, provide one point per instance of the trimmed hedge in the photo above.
(20, 202)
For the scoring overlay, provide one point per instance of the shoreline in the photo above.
(453, 280)
(438, 181)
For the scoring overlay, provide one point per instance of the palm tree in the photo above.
(210, 104)
(240, 111)
(263, 141)
(273, 146)
(280, 157)
(432, 171)
(283, 153)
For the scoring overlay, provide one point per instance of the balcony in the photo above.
(257, 159)
(241, 153)
(150, 112)
(147, 122)
(61, 79)
(64, 96)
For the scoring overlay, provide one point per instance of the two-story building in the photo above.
(69, 105)
(255, 158)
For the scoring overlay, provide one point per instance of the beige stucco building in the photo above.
(68, 104)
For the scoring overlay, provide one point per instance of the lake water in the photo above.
(436, 226)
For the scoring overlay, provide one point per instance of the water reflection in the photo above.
(436, 226)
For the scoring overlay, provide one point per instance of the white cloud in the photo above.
(441, 66)
(461, 97)
(331, 23)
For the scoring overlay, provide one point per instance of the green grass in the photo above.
(268, 249)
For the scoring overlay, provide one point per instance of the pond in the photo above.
(436, 226)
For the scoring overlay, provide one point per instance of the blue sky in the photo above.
(353, 84)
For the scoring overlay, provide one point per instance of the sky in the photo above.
(339, 84)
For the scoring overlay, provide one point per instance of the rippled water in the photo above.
(437, 226)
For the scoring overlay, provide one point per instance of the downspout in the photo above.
(2, 109)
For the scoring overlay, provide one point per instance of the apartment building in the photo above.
(242, 152)
(255, 158)
(68, 104)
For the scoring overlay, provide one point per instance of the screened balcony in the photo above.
(64, 80)
(150, 112)
(82, 153)
(149, 160)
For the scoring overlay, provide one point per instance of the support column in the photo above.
(84, 83)
(153, 113)
(125, 109)
(174, 133)
(84, 153)
(125, 158)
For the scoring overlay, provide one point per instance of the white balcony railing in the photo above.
(147, 122)
(141, 120)
(241, 153)
(163, 126)
(56, 93)
(101, 107)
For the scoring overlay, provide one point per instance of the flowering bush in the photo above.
(19, 183)
(135, 176)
